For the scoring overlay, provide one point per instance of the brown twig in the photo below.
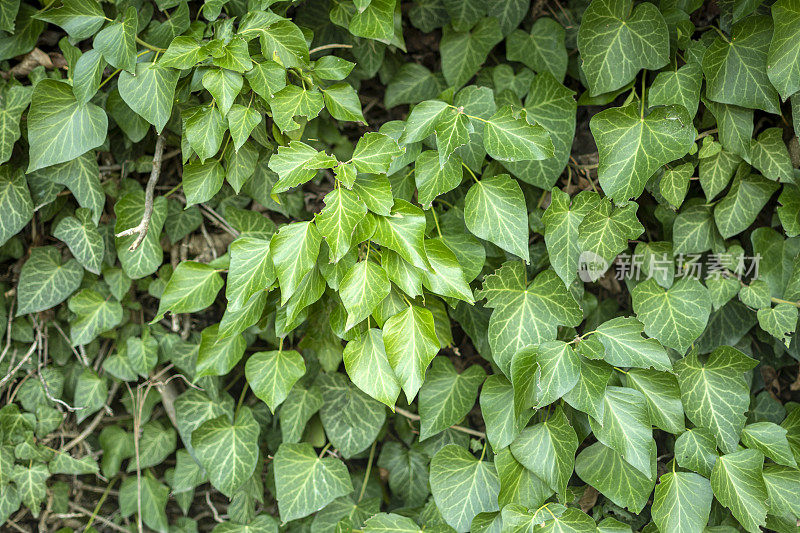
(462, 429)
(141, 228)
(329, 47)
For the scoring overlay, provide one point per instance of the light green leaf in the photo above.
(292, 101)
(625, 426)
(279, 38)
(228, 451)
(296, 164)
(770, 156)
(79, 18)
(224, 85)
(91, 391)
(272, 375)
(779, 321)
(351, 419)
(738, 485)
(696, 450)
(338, 220)
(677, 87)
(403, 231)
(411, 344)
(518, 484)
(368, 367)
(183, 52)
(294, 250)
(463, 51)
(204, 128)
(241, 122)
(59, 128)
(374, 152)
(445, 277)
(604, 232)
(15, 202)
(783, 59)
(675, 183)
(782, 485)
(342, 102)
(633, 144)
(682, 502)
(770, 439)
(548, 450)
(250, 270)
(561, 220)
(502, 424)
(376, 21)
(675, 317)
(736, 67)
(542, 50)
(45, 281)
(150, 92)
(447, 396)
(201, 181)
(715, 395)
(716, 171)
(96, 314)
(82, 177)
(191, 288)
(218, 356)
(88, 73)
(266, 78)
(663, 397)
(117, 41)
(147, 257)
(462, 486)
(432, 179)
(606, 470)
(615, 41)
(298, 408)
(495, 210)
(511, 137)
(153, 496)
(526, 316)
(83, 239)
(363, 287)
(588, 395)
(747, 196)
(306, 483)
(422, 121)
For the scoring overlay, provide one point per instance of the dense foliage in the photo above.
(386, 266)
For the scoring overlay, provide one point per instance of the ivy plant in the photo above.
(391, 266)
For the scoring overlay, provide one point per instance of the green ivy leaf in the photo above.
(625, 426)
(495, 210)
(351, 419)
(609, 473)
(294, 250)
(548, 450)
(447, 396)
(149, 92)
(462, 486)
(117, 41)
(783, 67)
(368, 367)
(507, 137)
(153, 497)
(79, 18)
(542, 50)
(191, 288)
(228, 451)
(745, 199)
(682, 502)
(721, 377)
(272, 375)
(96, 314)
(411, 344)
(738, 485)
(633, 144)
(676, 317)
(663, 397)
(464, 50)
(59, 128)
(45, 281)
(615, 41)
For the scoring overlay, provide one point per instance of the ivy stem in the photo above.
(325, 449)
(462, 429)
(471, 173)
(329, 47)
(241, 399)
(436, 221)
(483, 452)
(366, 474)
(108, 78)
(149, 46)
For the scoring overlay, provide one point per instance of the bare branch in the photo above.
(141, 228)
